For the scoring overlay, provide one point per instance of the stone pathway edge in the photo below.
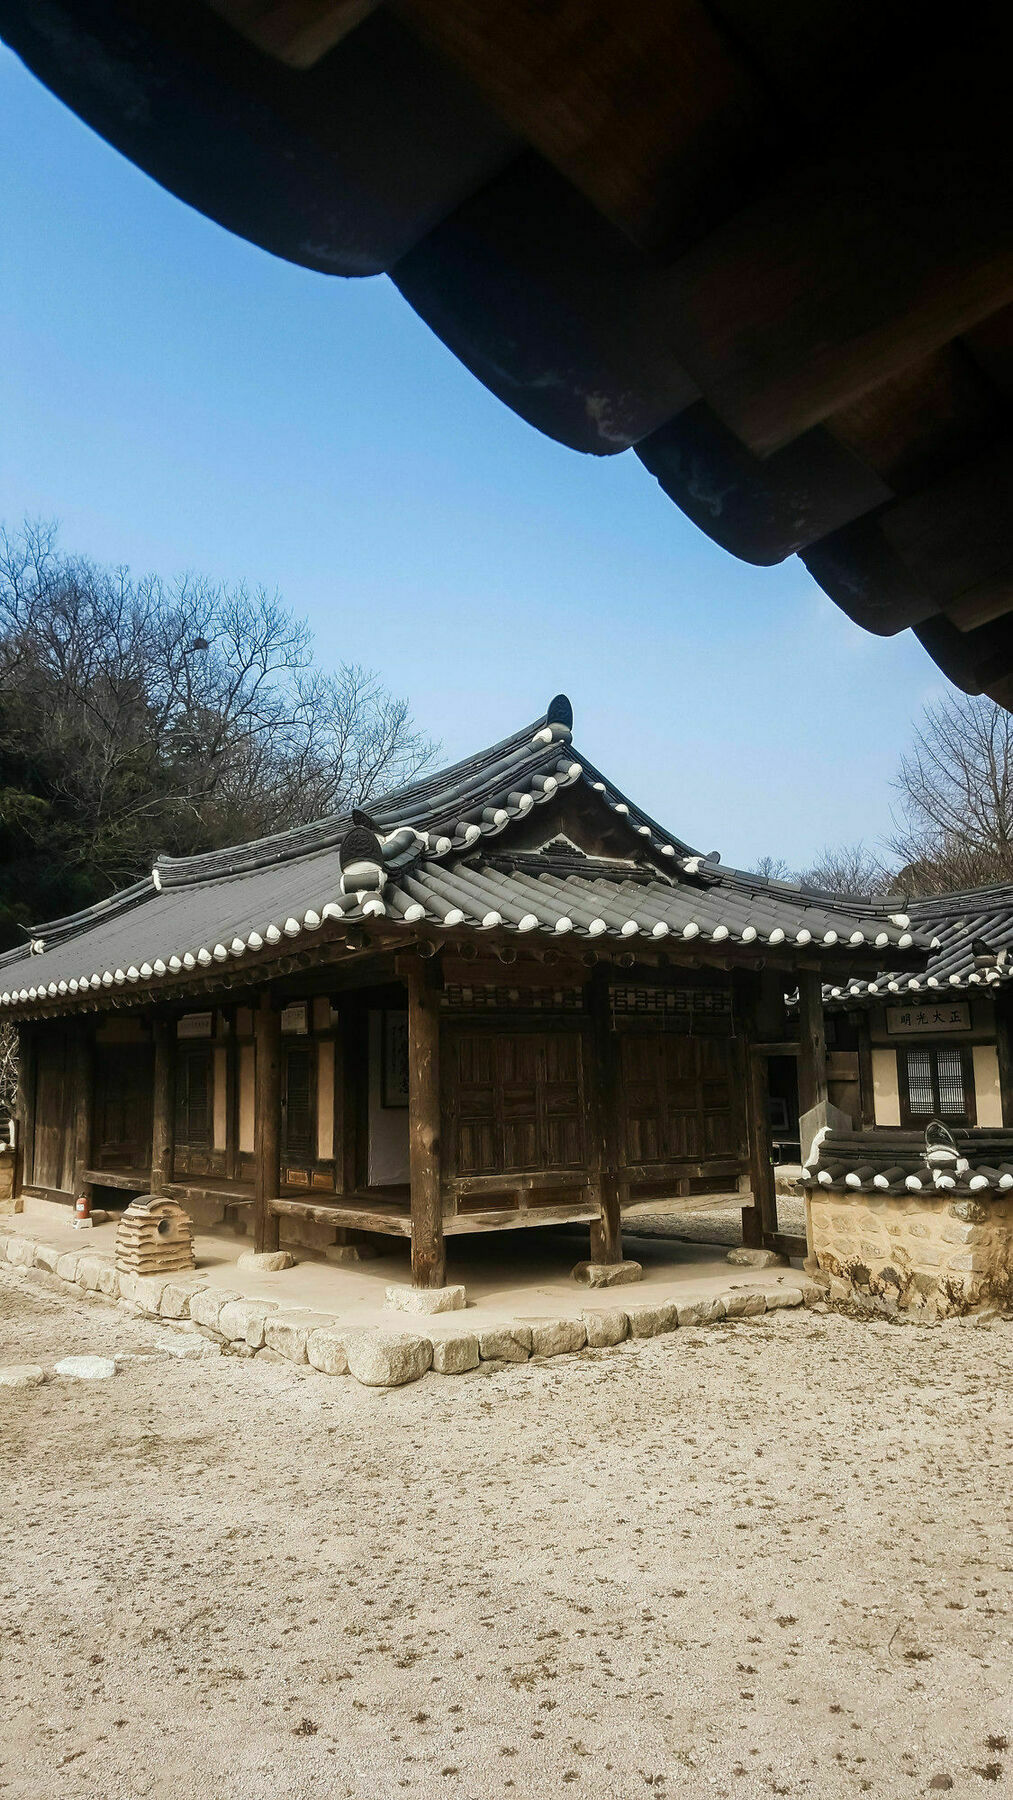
(377, 1357)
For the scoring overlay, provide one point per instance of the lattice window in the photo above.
(684, 1008)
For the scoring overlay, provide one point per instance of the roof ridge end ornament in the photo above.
(558, 727)
(360, 857)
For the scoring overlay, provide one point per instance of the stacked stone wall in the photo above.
(920, 1252)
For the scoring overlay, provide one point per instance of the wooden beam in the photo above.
(812, 1041)
(605, 1123)
(866, 1085)
(428, 1254)
(83, 1090)
(760, 1219)
(25, 1107)
(839, 276)
(267, 1135)
(648, 110)
(162, 1100)
(1004, 1053)
(296, 32)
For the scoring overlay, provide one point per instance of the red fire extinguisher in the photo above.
(82, 1208)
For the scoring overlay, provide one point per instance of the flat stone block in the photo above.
(388, 1359)
(245, 1319)
(47, 1257)
(206, 1305)
(20, 1252)
(744, 1304)
(783, 1296)
(327, 1351)
(652, 1321)
(66, 1265)
(426, 1300)
(756, 1259)
(87, 1368)
(610, 1326)
(701, 1312)
(175, 1300)
(270, 1261)
(19, 1375)
(606, 1275)
(91, 1267)
(456, 1355)
(288, 1333)
(147, 1292)
(505, 1343)
(558, 1337)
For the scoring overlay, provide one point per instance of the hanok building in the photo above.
(507, 998)
(909, 1046)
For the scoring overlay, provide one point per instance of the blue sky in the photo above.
(178, 400)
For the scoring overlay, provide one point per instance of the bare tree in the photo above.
(140, 717)
(956, 798)
(848, 869)
(772, 868)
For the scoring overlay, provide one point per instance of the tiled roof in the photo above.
(973, 933)
(898, 1162)
(458, 849)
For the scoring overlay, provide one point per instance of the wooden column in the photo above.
(267, 1133)
(1004, 1053)
(162, 1105)
(760, 1219)
(84, 1104)
(25, 1108)
(428, 1254)
(758, 998)
(606, 1124)
(812, 1041)
(866, 1085)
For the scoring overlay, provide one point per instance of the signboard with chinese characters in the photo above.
(195, 1025)
(929, 1015)
(294, 1017)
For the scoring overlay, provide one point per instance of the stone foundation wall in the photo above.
(925, 1252)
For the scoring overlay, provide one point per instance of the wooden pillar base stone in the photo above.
(606, 1275)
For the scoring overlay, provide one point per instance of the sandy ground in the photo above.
(770, 1557)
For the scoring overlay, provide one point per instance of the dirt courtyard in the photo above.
(768, 1557)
